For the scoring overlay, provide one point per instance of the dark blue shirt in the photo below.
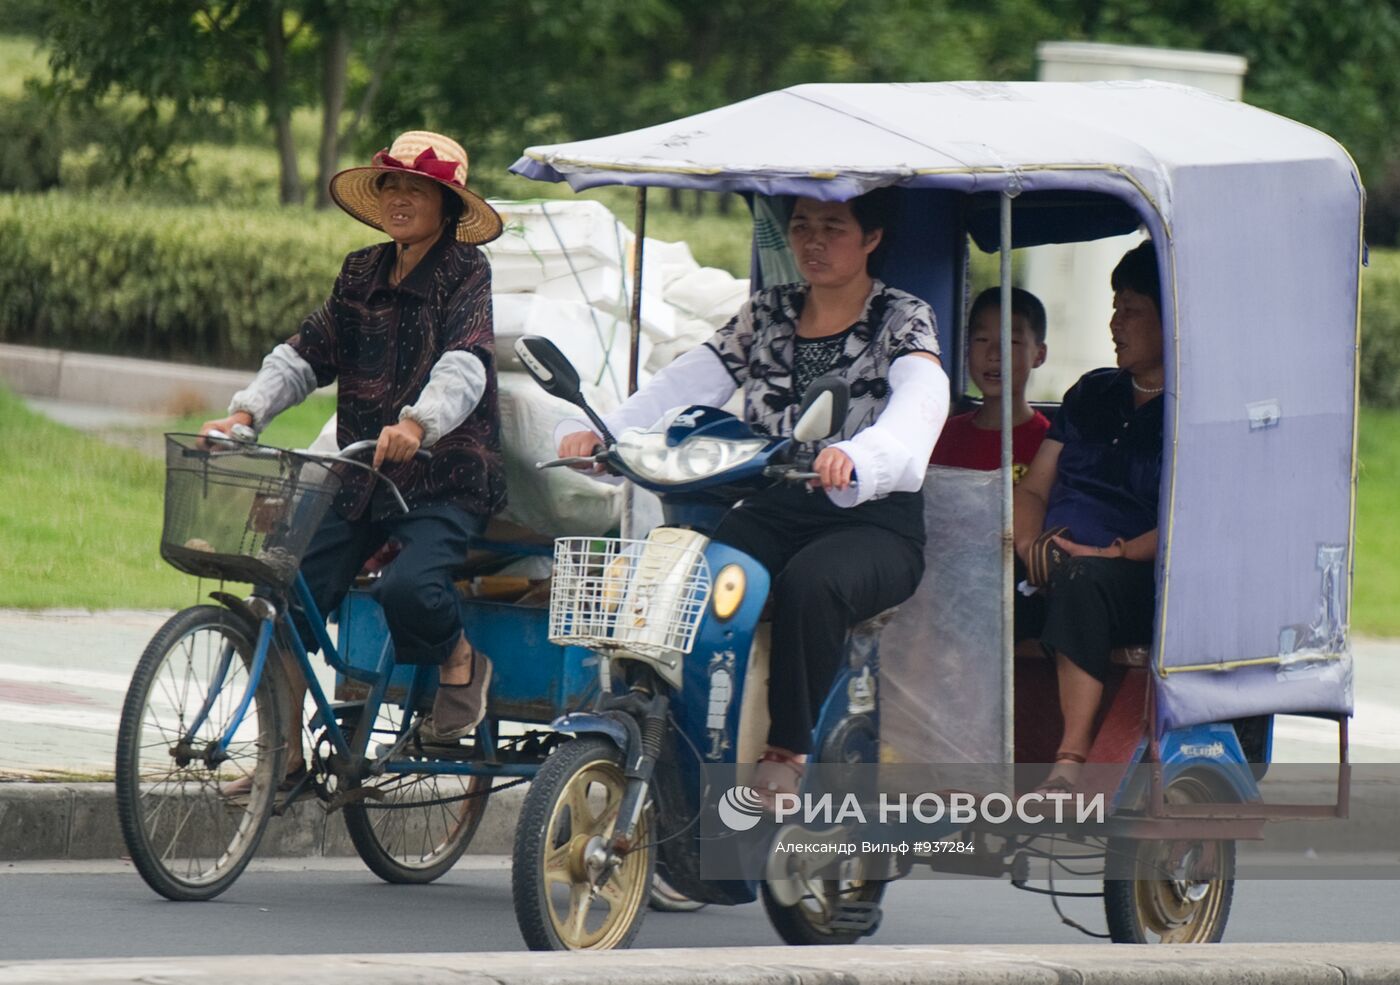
(1110, 470)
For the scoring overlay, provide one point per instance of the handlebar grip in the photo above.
(422, 455)
(597, 459)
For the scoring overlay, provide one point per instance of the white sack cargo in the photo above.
(595, 342)
(554, 502)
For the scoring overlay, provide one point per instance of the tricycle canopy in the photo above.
(1257, 221)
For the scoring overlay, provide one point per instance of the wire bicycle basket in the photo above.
(645, 596)
(241, 512)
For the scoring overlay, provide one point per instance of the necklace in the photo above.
(1146, 389)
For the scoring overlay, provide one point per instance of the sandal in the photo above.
(1062, 781)
(778, 771)
(239, 789)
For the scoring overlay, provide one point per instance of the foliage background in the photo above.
(155, 172)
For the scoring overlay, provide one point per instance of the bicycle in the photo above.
(207, 707)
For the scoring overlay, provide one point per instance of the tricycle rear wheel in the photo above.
(1179, 892)
(418, 825)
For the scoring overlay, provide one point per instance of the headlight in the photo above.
(647, 454)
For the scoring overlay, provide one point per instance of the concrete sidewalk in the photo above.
(1220, 964)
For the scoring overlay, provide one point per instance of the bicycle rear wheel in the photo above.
(421, 823)
(188, 837)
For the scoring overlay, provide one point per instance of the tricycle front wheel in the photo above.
(566, 898)
(1171, 892)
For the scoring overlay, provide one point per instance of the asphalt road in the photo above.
(102, 909)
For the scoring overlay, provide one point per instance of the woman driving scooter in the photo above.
(850, 545)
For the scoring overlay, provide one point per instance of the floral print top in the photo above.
(759, 349)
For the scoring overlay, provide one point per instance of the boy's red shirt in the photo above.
(963, 445)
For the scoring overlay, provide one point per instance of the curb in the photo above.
(1215, 964)
(117, 381)
(57, 821)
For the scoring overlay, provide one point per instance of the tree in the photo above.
(188, 65)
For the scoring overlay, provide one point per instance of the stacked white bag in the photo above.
(563, 270)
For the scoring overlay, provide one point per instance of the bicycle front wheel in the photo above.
(414, 826)
(192, 824)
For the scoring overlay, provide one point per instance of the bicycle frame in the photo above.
(378, 681)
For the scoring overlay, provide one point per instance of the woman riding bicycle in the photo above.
(407, 333)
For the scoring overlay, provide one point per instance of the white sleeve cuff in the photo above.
(892, 454)
(453, 389)
(285, 379)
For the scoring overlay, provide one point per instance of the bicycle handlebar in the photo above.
(345, 454)
(243, 441)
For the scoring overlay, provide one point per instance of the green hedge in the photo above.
(220, 286)
(205, 285)
(1380, 330)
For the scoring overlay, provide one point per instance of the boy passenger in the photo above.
(973, 440)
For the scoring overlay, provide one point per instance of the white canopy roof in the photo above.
(835, 141)
(1257, 222)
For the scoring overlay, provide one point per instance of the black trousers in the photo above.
(830, 570)
(1093, 605)
(416, 590)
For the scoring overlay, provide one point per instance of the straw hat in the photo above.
(427, 155)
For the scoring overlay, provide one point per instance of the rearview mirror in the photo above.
(553, 371)
(550, 367)
(823, 410)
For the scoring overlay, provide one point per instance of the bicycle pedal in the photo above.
(861, 916)
(353, 796)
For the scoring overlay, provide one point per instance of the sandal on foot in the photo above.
(240, 788)
(778, 771)
(1063, 781)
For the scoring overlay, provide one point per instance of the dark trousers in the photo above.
(1093, 605)
(828, 574)
(416, 590)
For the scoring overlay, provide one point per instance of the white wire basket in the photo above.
(644, 596)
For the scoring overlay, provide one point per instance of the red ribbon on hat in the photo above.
(425, 163)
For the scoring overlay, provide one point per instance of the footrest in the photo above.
(861, 916)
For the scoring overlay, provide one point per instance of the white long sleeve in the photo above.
(284, 380)
(454, 387)
(698, 377)
(892, 454)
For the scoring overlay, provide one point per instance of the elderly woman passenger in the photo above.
(1086, 511)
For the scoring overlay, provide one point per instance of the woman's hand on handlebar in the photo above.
(398, 442)
(834, 469)
(225, 425)
(581, 444)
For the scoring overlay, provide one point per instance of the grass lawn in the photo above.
(81, 526)
(82, 518)
(1375, 609)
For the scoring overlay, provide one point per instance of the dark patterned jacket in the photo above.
(381, 342)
